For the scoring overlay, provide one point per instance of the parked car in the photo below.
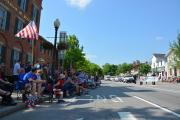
(112, 78)
(129, 79)
(107, 78)
(118, 79)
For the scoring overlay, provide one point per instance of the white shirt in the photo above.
(16, 69)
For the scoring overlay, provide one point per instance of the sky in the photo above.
(115, 31)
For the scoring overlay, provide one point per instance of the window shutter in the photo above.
(16, 24)
(26, 58)
(8, 20)
(12, 58)
(21, 56)
(37, 17)
(3, 54)
(27, 3)
(19, 2)
(32, 12)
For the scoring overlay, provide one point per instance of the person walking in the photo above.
(16, 71)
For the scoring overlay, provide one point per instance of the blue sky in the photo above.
(115, 31)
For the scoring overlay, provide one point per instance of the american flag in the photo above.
(29, 32)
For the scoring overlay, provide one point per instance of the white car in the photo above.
(151, 79)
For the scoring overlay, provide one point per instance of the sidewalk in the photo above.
(6, 110)
(163, 85)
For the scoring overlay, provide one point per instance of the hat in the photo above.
(61, 76)
(33, 69)
(41, 60)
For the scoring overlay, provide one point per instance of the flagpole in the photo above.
(33, 52)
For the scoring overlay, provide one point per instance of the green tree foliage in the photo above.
(75, 58)
(109, 69)
(106, 69)
(145, 69)
(124, 68)
(175, 48)
(74, 54)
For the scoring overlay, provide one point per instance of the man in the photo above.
(16, 71)
(6, 89)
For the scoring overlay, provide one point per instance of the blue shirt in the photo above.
(28, 76)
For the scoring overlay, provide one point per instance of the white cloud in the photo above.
(79, 3)
(159, 38)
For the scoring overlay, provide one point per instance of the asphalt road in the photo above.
(112, 101)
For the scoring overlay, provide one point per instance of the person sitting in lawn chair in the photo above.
(6, 88)
(58, 93)
(91, 82)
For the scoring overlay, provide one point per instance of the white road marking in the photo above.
(116, 99)
(162, 108)
(80, 119)
(126, 116)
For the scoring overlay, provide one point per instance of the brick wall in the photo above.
(7, 37)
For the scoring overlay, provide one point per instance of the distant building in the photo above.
(172, 70)
(158, 64)
(15, 15)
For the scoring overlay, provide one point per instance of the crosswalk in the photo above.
(126, 116)
(122, 116)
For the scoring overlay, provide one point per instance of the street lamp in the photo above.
(56, 26)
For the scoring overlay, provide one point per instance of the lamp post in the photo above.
(56, 26)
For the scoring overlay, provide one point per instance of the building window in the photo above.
(15, 56)
(18, 26)
(41, 48)
(35, 14)
(29, 41)
(29, 58)
(50, 53)
(23, 4)
(170, 71)
(2, 53)
(4, 19)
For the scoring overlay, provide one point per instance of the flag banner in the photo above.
(29, 32)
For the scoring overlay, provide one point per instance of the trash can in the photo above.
(141, 83)
(153, 83)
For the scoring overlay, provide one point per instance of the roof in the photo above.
(158, 55)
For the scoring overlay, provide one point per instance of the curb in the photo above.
(12, 109)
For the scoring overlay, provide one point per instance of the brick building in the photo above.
(15, 15)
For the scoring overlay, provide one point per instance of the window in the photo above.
(15, 56)
(4, 19)
(30, 41)
(2, 53)
(35, 14)
(170, 71)
(41, 48)
(50, 53)
(23, 4)
(18, 26)
(29, 58)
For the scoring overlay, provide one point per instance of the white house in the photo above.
(172, 70)
(158, 64)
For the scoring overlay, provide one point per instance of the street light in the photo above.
(56, 26)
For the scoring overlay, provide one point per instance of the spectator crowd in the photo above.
(35, 81)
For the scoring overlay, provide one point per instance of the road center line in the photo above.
(162, 108)
(126, 116)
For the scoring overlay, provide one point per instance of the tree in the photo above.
(74, 53)
(106, 69)
(145, 69)
(125, 68)
(175, 48)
